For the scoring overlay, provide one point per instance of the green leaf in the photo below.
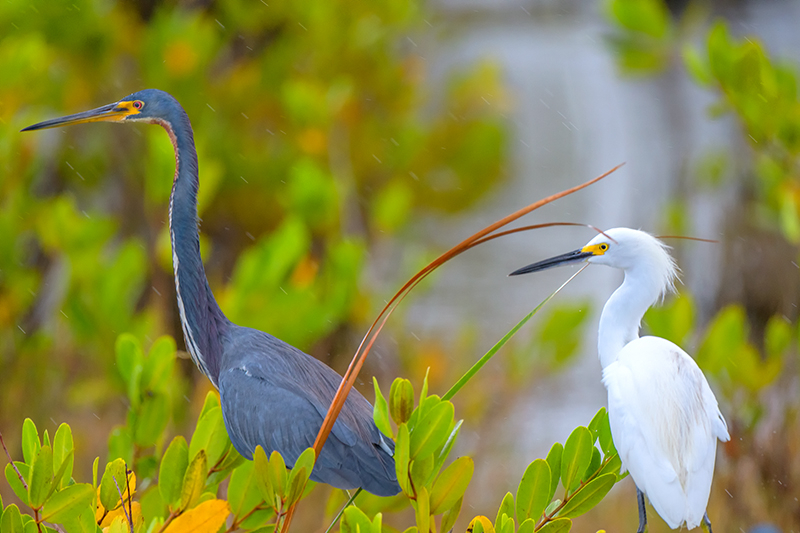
(129, 357)
(554, 462)
(777, 337)
(355, 521)
(432, 430)
(559, 525)
(30, 441)
(112, 484)
(277, 473)
(590, 495)
(533, 493)
(380, 412)
(173, 469)
(120, 441)
(422, 509)
(152, 419)
(84, 522)
(263, 478)
(11, 522)
(506, 509)
(612, 465)
(401, 400)
(13, 479)
(649, 17)
(243, 492)
(506, 525)
(299, 475)
(194, 480)
(63, 456)
(448, 446)
(210, 435)
(576, 457)
(527, 526)
(604, 434)
(450, 486)
(421, 470)
(158, 365)
(450, 516)
(68, 503)
(594, 464)
(401, 459)
(41, 477)
(296, 484)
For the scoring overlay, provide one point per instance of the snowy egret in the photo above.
(664, 419)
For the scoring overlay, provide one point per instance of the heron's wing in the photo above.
(664, 426)
(276, 396)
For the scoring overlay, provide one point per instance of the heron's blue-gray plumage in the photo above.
(272, 394)
(296, 390)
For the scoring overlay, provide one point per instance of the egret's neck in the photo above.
(623, 312)
(201, 318)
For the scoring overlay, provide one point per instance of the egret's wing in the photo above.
(662, 400)
(633, 428)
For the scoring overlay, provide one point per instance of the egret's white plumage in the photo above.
(664, 419)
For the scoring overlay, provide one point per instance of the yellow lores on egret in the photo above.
(664, 419)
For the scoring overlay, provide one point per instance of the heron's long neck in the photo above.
(623, 312)
(201, 318)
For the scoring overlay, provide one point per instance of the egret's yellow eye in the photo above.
(603, 247)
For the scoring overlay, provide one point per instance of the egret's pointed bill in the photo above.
(111, 112)
(575, 256)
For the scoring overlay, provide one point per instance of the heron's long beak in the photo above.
(111, 112)
(576, 256)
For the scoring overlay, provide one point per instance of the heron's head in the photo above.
(624, 248)
(149, 105)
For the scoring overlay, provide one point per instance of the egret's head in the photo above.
(149, 105)
(624, 248)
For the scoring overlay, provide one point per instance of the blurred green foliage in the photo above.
(317, 137)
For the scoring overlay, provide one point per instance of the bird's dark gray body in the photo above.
(272, 394)
(293, 391)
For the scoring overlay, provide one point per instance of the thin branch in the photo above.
(122, 500)
(11, 462)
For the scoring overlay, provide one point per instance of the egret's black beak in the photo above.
(575, 256)
(111, 112)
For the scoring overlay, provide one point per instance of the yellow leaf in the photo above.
(205, 518)
(485, 522)
(115, 521)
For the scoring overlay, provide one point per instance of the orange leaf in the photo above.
(205, 518)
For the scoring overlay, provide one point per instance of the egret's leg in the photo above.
(706, 523)
(642, 512)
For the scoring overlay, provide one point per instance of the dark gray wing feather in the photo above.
(276, 396)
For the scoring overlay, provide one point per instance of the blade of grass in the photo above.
(341, 511)
(494, 349)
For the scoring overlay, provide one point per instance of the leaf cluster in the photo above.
(587, 467)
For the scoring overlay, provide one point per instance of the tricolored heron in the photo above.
(271, 393)
(664, 419)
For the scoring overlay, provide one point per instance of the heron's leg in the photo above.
(642, 512)
(706, 523)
